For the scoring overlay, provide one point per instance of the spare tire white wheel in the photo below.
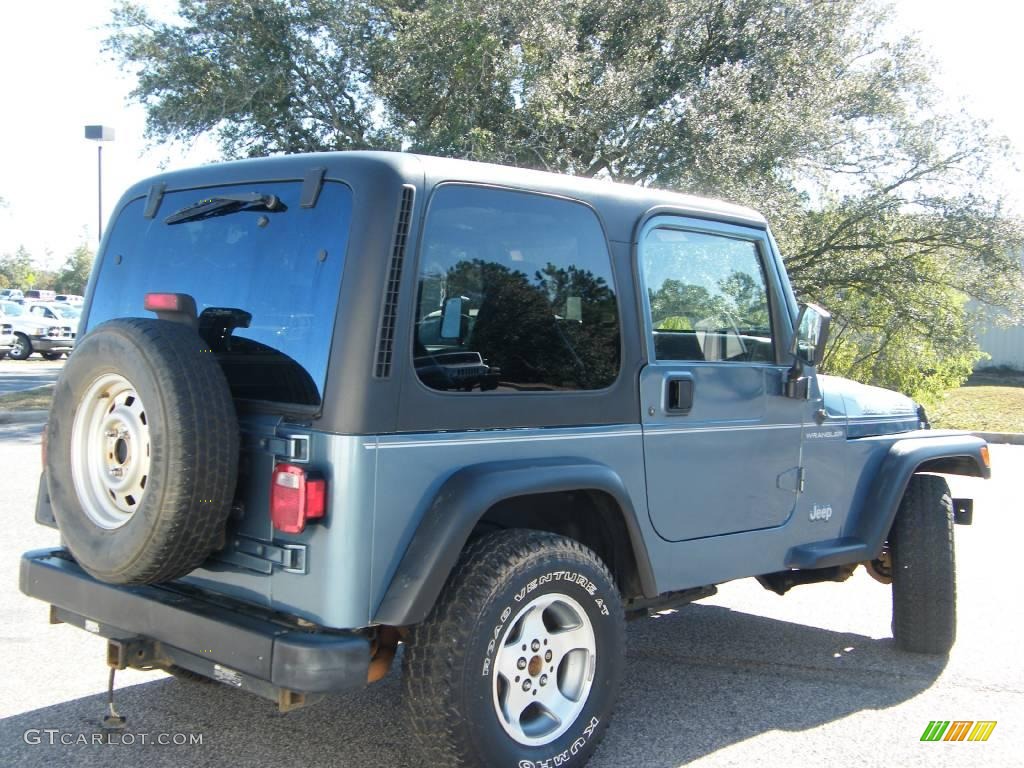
(142, 451)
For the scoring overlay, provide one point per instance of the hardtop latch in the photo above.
(293, 447)
(262, 556)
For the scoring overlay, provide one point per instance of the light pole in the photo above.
(99, 134)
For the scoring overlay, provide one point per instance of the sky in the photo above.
(56, 80)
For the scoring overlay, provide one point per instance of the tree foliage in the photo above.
(21, 270)
(18, 269)
(74, 274)
(814, 113)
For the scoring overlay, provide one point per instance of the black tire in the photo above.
(452, 684)
(183, 414)
(924, 568)
(52, 355)
(22, 349)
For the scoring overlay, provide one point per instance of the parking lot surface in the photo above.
(746, 678)
(16, 375)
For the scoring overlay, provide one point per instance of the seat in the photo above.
(677, 345)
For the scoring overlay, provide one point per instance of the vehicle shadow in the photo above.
(708, 677)
(695, 681)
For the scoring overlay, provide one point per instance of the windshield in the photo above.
(12, 309)
(65, 313)
(265, 283)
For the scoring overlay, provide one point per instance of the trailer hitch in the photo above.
(121, 654)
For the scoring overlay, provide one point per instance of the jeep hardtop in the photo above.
(325, 405)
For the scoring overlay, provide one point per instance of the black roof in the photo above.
(619, 204)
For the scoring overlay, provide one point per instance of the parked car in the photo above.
(11, 294)
(70, 298)
(57, 313)
(7, 338)
(35, 333)
(40, 295)
(519, 407)
(65, 316)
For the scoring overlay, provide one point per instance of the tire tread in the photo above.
(924, 568)
(199, 460)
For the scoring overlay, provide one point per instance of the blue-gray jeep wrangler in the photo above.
(325, 405)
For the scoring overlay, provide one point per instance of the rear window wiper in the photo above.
(219, 205)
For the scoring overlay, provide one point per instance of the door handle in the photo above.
(679, 395)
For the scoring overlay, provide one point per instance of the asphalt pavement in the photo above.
(16, 375)
(745, 678)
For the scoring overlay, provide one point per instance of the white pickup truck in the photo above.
(34, 332)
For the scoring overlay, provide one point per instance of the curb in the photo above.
(32, 416)
(1009, 438)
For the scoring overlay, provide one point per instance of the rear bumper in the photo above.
(239, 645)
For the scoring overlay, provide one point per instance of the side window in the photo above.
(515, 294)
(708, 297)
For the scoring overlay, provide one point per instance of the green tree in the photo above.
(74, 274)
(811, 112)
(677, 305)
(264, 77)
(18, 270)
(46, 279)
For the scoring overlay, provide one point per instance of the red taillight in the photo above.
(295, 497)
(163, 302)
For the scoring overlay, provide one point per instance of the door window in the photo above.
(707, 296)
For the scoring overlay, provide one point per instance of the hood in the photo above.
(867, 410)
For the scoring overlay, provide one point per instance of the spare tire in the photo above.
(142, 451)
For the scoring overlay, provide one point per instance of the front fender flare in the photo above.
(460, 503)
(959, 454)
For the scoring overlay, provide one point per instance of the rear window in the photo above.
(265, 281)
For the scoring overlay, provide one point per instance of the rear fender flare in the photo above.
(460, 503)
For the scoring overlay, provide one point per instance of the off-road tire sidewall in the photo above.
(182, 513)
(546, 577)
(562, 567)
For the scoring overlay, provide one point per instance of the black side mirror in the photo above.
(811, 334)
(452, 317)
(808, 349)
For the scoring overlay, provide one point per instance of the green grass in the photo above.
(27, 399)
(991, 401)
